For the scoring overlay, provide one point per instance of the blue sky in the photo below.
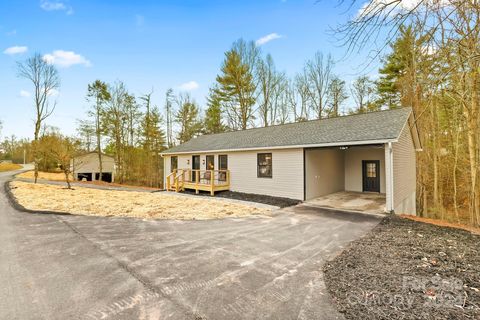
(151, 44)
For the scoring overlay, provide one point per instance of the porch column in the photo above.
(389, 177)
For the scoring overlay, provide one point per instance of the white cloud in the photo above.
(66, 59)
(24, 94)
(384, 7)
(267, 38)
(11, 33)
(55, 6)
(53, 93)
(52, 6)
(189, 86)
(15, 50)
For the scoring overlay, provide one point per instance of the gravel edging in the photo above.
(405, 269)
(251, 197)
(224, 199)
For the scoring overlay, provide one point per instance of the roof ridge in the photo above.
(306, 121)
(382, 124)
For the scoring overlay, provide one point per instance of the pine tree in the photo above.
(391, 87)
(187, 117)
(236, 90)
(213, 115)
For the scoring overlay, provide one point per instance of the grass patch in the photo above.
(9, 167)
(95, 202)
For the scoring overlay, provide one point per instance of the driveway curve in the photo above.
(80, 267)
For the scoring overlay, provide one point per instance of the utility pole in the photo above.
(24, 155)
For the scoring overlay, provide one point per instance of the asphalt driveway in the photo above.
(79, 267)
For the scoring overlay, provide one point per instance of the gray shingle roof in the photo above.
(382, 125)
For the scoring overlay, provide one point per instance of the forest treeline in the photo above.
(433, 65)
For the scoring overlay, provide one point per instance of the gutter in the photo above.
(321, 145)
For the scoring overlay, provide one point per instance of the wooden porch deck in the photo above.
(198, 180)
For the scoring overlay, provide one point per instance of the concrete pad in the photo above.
(352, 201)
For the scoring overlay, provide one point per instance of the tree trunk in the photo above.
(99, 142)
(35, 146)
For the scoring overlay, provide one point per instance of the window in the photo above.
(371, 170)
(222, 165)
(173, 163)
(222, 162)
(264, 165)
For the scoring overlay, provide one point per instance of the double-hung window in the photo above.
(264, 165)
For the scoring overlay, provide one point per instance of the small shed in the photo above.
(86, 167)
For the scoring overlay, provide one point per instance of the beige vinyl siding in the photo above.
(325, 172)
(353, 167)
(89, 163)
(287, 173)
(287, 169)
(404, 174)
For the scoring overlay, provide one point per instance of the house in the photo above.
(87, 167)
(371, 152)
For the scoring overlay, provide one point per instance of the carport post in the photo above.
(389, 177)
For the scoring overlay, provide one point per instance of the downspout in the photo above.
(390, 152)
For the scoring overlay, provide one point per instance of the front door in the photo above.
(210, 163)
(195, 166)
(371, 175)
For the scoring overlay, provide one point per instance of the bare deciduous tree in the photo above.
(318, 74)
(98, 92)
(268, 83)
(362, 89)
(46, 80)
(337, 95)
(302, 95)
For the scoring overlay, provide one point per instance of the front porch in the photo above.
(199, 180)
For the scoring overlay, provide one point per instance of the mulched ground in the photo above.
(405, 269)
(273, 201)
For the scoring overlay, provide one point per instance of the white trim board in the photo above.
(321, 145)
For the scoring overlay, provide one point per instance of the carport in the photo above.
(347, 177)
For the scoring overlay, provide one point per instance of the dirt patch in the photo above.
(51, 176)
(88, 201)
(405, 269)
(444, 223)
(9, 167)
(272, 201)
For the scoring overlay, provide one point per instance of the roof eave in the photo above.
(320, 145)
